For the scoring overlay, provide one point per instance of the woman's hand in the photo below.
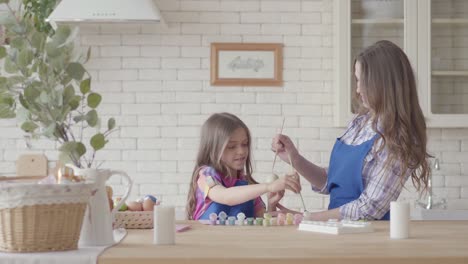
(283, 145)
(290, 182)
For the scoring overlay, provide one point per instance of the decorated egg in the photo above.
(148, 205)
(123, 207)
(150, 197)
(135, 206)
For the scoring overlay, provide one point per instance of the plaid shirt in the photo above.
(379, 190)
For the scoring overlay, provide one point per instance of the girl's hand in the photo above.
(290, 182)
(283, 145)
(273, 199)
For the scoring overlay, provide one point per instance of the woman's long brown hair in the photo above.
(387, 81)
(215, 134)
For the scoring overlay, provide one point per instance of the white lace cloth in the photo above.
(83, 255)
(22, 194)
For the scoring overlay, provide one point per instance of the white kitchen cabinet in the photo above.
(434, 35)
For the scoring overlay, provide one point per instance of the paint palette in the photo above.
(336, 227)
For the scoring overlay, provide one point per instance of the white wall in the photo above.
(155, 81)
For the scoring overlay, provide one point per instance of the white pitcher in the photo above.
(97, 223)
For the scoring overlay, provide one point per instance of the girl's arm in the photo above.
(240, 194)
(314, 174)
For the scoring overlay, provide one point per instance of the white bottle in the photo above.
(399, 220)
(164, 225)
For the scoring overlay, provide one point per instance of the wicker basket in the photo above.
(41, 217)
(134, 220)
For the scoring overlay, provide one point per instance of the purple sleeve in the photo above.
(207, 179)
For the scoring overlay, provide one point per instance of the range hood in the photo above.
(105, 11)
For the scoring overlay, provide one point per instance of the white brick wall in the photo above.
(155, 82)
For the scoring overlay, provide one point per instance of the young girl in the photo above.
(222, 178)
(383, 146)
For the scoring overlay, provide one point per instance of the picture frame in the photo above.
(246, 64)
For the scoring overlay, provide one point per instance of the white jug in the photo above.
(97, 223)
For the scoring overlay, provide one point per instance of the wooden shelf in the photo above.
(377, 21)
(449, 73)
(450, 21)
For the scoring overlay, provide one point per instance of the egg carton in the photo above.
(134, 219)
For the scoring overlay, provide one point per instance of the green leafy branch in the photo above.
(43, 73)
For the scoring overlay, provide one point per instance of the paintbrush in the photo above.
(293, 171)
(276, 152)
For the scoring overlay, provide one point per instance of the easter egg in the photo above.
(149, 196)
(124, 207)
(273, 177)
(148, 205)
(135, 206)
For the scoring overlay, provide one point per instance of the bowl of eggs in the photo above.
(136, 214)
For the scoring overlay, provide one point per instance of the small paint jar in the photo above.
(281, 219)
(222, 218)
(250, 221)
(240, 218)
(222, 215)
(232, 220)
(213, 217)
(259, 221)
(289, 219)
(297, 219)
(273, 221)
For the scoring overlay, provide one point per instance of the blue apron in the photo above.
(344, 181)
(247, 208)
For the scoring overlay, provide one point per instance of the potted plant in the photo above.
(44, 84)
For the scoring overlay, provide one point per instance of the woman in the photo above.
(383, 146)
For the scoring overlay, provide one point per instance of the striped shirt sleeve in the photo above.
(321, 189)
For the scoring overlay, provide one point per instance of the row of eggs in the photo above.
(146, 203)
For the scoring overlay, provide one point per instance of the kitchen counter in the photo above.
(430, 242)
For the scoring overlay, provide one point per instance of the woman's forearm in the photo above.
(314, 174)
(325, 215)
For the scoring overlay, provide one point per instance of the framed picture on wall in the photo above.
(247, 64)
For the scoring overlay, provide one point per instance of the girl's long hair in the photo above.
(215, 135)
(387, 81)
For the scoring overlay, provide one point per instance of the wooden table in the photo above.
(431, 242)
